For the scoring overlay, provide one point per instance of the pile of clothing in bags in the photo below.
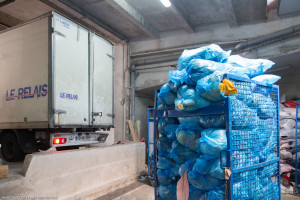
(197, 144)
(287, 147)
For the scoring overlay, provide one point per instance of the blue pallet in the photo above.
(249, 130)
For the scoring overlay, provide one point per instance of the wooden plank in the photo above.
(8, 20)
(137, 129)
(3, 171)
(131, 129)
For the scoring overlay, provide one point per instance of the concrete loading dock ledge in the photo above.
(78, 173)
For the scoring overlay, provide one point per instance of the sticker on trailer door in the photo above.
(36, 91)
(63, 23)
(68, 96)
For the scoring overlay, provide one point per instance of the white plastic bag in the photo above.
(287, 124)
(284, 154)
(292, 112)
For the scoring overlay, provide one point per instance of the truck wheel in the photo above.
(66, 148)
(10, 148)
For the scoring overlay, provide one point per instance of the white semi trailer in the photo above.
(56, 86)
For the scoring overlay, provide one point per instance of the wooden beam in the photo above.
(229, 12)
(182, 16)
(93, 18)
(5, 2)
(135, 17)
(2, 27)
(8, 20)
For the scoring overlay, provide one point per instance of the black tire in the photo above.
(10, 148)
(66, 148)
(43, 145)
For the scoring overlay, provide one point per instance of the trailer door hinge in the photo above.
(110, 56)
(97, 114)
(111, 115)
(60, 112)
(60, 34)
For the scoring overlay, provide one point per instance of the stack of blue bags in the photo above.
(198, 144)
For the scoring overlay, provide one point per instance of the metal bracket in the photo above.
(60, 112)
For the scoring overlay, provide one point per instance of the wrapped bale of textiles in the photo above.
(287, 148)
(198, 144)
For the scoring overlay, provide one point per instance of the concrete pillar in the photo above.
(120, 91)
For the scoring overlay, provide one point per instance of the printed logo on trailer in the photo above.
(63, 23)
(36, 91)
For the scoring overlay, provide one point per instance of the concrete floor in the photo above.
(132, 191)
(140, 191)
(289, 197)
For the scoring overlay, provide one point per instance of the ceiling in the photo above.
(144, 19)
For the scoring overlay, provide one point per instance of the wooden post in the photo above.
(131, 129)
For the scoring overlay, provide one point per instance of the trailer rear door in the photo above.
(70, 72)
(101, 81)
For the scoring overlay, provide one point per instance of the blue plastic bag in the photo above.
(167, 192)
(176, 79)
(204, 121)
(248, 189)
(210, 166)
(194, 193)
(203, 182)
(210, 52)
(166, 163)
(161, 106)
(170, 131)
(244, 158)
(163, 122)
(255, 66)
(189, 100)
(180, 153)
(269, 170)
(208, 87)
(267, 78)
(163, 146)
(198, 69)
(188, 131)
(212, 121)
(166, 96)
(269, 148)
(265, 106)
(188, 165)
(242, 116)
(167, 177)
(215, 194)
(189, 122)
(270, 189)
(212, 142)
(188, 138)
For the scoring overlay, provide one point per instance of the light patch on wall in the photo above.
(272, 9)
(166, 3)
(269, 2)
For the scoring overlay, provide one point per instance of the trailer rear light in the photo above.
(59, 140)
